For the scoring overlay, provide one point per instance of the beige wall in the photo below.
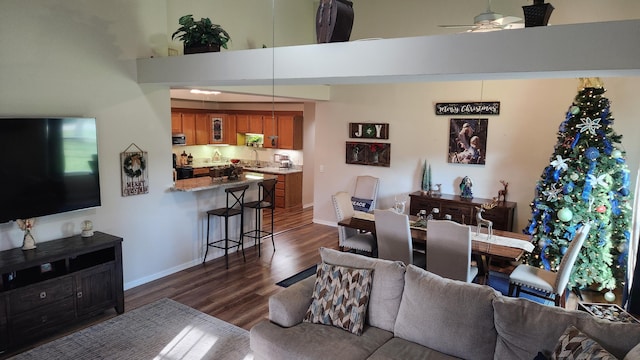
(519, 145)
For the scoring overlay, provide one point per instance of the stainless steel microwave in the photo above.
(178, 139)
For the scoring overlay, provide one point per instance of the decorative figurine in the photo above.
(465, 187)
(28, 242)
(480, 221)
(503, 193)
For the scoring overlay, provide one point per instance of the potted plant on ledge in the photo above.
(200, 36)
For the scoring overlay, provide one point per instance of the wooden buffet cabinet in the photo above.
(464, 210)
(58, 283)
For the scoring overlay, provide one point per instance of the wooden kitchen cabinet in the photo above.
(289, 132)
(464, 210)
(185, 123)
(289, 190)
(270, 127)
(255, 124)
(230, 130)
(242, 123)
(203, 129)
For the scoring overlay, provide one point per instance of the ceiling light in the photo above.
(204, 92)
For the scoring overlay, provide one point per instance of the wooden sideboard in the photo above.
(56, 284)
(464, 210)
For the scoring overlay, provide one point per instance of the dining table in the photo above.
(501, 245)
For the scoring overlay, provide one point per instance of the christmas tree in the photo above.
(586, 181)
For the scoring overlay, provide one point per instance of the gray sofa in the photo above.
(414, 314)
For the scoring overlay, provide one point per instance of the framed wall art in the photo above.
(468, 141)
(365, 153)
(135, 176)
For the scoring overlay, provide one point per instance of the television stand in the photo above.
(59, 283)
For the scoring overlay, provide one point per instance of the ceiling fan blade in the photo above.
(507, 20)
(456, 26)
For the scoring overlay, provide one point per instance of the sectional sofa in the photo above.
(414, 314)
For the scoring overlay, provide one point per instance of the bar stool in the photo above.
(235, 206)
(266, 200)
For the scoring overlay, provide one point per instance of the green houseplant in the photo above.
(200, 36)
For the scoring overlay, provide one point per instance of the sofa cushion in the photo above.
(340, 297)
(312, 341)
(289, 306)
(398, 348)
(575, 345)
(449, 316)
(386, 288)
(525, 328)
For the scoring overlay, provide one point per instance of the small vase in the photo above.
(537, 14)
(375, 157)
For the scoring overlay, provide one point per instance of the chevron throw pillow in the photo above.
(340, 297)
(575, 345)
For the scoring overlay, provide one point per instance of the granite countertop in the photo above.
(273, 170)
(206, 182)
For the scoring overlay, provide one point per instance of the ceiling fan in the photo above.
(490, 21)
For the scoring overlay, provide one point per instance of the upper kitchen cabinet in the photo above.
(255, 124)
(229, 130)
(270, 128)
(249, 123)
(222, 129)
(204, 129)
(185, 123)
(242, 123)
(289, 132)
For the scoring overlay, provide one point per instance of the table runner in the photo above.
(495, 239)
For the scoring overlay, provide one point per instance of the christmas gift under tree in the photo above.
(587, 181)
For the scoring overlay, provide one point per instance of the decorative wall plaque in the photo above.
(368, 131)
(135, 176)
(468, 108)
(364, 153)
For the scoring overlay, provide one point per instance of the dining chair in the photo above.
(393, 236)
(549, 285)
(449, 250)
(348, 237)
(367, 189)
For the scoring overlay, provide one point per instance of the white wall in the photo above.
(519, 145)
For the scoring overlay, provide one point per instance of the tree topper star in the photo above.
(552, 194)
(559, 163)
(590, 125)
(595, 181)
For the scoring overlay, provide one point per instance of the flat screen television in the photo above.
(48, 166)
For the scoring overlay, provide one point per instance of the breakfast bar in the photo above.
(210, 194)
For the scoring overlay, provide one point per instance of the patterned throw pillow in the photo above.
(575, 345)
(340, 297)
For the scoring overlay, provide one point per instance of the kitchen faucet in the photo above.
(256, 160)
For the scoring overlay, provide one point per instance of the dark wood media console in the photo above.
(58, 283)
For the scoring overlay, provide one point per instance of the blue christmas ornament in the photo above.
(615, 207)
(624, 191)
(556, 175)
(592, 153)
(563, 250)
(575, 140)
(568, 188)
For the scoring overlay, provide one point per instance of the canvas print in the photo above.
(468, 141)
(373, 154)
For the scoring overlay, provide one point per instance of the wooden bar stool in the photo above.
(235, 206)
(266, 200)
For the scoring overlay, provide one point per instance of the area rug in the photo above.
(164, 329)
(298, 277)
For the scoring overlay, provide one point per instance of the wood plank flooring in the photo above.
(240, 294)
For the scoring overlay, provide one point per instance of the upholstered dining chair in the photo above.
(393, 236)
(550, 285)
(367, 190)
(347, 237)
(449, 250)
